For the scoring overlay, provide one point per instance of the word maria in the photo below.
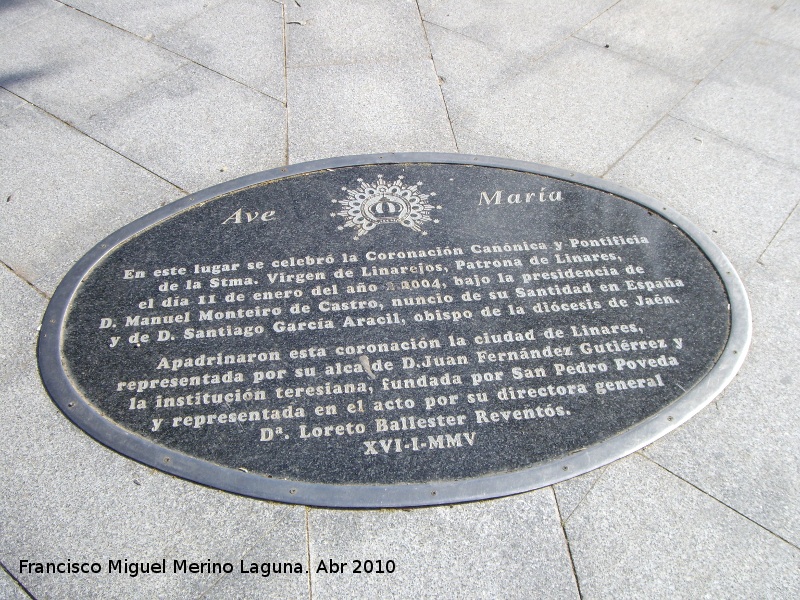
(542, 195)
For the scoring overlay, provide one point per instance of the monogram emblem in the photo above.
(382, 202)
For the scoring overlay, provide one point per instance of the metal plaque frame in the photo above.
(107, 432)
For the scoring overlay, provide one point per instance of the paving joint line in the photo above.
(586, 495)
(525, 59)
(284, 16)
(562, 524)
(557, 44)
(535, 60)
(752, 36)
(181, 23)
(209, 69)
(633, 146)
(22, 24)
(36, 289)
(667, 113)
(572, 35)
(769, 243)
(593, 19)
(454, 32)
(275, 523)
(768, 40)
(717, 500)
(17, 581)
(438, 77)
(388, 61)
(520, 61)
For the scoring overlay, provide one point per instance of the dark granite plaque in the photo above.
(394, 330)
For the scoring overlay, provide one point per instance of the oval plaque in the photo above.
(394, 330)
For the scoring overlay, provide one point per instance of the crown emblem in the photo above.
(373, 204)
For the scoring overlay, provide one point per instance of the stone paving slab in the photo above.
(752, 105)
(644, 533)
(683, 37)
(9, 590)
(585, 122)
(195, 128)
(476, 550)
(468, 69)
(784, 25)
(242, 39)
(17, 12)
(21, 308)
(366, 108)
(572, 492)
(284, 543)
(9, 102)
(715, 184)
(744, 450)
(530, 28)
(81, 501)
(62, 193)
(340, 32)
(73, 65)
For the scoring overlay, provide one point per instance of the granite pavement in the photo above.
(111, 109)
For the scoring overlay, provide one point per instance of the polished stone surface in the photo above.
(464, 321)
